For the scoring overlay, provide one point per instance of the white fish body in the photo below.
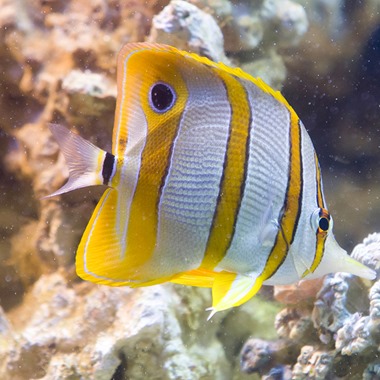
(213, 181)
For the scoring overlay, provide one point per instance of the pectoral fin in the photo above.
(231, 289)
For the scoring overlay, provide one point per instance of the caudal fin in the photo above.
(84, 160)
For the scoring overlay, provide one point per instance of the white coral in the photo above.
(368, 252)
(187, 27)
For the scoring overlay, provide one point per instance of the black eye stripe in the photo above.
(161, 97)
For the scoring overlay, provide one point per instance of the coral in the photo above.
(286, 20)
(245, 29)
(97, 332)
(372, 372)
(7, 339)
(360, 334)
(143, 334)
(331, 31)
(313, 365)
(256, 355)
(368, 252)
(69, 79)
(336, 335)
(330, 309)
(268, 359)
(248, 24)
(294, 325)
(184, 25)
(342, 294)
(329, 13)
(295, 294)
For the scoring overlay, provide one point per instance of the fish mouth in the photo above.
(336, 259)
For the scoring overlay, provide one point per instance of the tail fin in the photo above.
(85, 160)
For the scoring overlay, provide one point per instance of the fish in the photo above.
(212, 181)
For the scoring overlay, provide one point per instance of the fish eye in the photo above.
(321, 221)
(161, 97)
(324, 223)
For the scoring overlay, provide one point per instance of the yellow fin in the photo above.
(197, 277)
(149, 283)
(101, 253)
(231, 289)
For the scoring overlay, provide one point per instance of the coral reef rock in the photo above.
(266, 358)
(94, 332)
(302, 292)
(368, 252)
(69, 329)
(187, 27)
(360, 334)
(313, 365)
(252, 32)
(334, 336)
(248, 25)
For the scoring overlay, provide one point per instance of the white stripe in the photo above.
(123, 94)
(190, 192)
(129, 172)
(137, 128)
(265, 187)
(301, 253)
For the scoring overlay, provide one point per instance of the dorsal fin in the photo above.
(124, 109)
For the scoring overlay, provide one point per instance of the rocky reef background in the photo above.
(57, 64)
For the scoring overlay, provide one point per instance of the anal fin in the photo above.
(231, 289)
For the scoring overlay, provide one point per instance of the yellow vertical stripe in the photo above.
(234, 173)
(155, 160)
(127, 87)
(124, 98)
(292, 205)
(320, 201)
(320, 235)
(319, 250)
